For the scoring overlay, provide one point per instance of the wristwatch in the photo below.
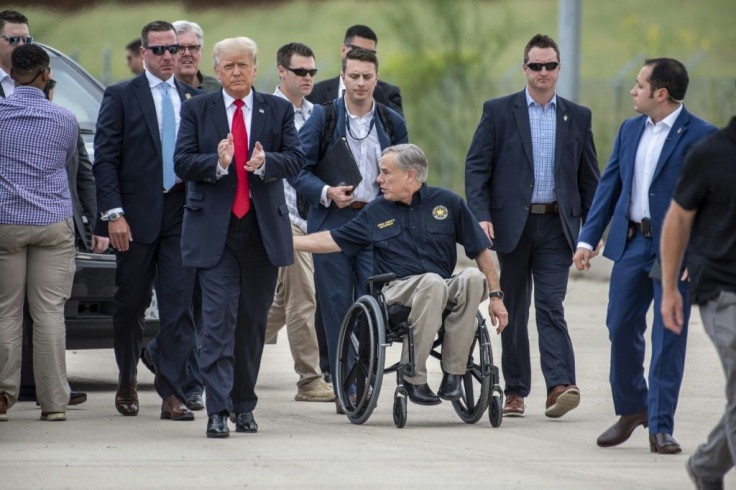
(496, 294)
(113, 216)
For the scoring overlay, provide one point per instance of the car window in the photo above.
(76, 92)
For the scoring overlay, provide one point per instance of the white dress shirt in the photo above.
(7, 82)
(247, 117)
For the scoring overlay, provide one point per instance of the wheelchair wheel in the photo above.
(400, 410)
(360, 358)
(476, 386)
(495, 411)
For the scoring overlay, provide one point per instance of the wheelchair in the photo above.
(370, 326)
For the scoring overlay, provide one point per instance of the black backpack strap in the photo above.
(386, 120)
(329, 129)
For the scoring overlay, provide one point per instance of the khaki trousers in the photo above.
(428, 295)
(36, 262)
(294, 305)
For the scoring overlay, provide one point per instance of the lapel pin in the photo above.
(564, 118)
(187, 96)
(260, 111)
(679, 130)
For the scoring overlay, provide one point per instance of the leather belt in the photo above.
(544, 208)
(357, 205)
(178, 187)
(645, 228)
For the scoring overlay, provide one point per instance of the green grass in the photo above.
(613, 33)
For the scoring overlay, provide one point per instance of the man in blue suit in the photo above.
(633, 196)
(141, 202)
(359, 119)
(234, 148)
(530, 176)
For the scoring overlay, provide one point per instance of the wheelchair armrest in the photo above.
(377, 282)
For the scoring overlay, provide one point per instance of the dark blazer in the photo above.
(499, 168)
(613, 197)
(82, 188)
(209, 200)
(128, 161)
(385, 93)
(309, 185)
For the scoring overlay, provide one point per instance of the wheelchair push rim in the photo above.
(476, 384)
(361, 355)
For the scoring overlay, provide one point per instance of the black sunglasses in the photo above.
(302, 72)
(353, 46)
(538, 66)
(14, 40)
(159, 50)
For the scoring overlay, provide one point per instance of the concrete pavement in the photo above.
(306, 445)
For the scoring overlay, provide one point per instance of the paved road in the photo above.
(306, 445)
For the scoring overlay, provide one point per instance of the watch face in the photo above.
(113, 216)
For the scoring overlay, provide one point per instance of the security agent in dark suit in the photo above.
(141, 202)
(530, 175)
(339, 277)
(234, 148)
(357, 36)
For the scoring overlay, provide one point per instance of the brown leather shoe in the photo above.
(126, 399)
(663, 444)
(514, 406)
(561, 400)
(3, 409)
(172, 408)
(622, 430)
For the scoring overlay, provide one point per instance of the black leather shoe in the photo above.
(217, 425)
(77, 397)
(663, 444)
(194, 402)
(244, 422)
(622, 430)
(421, 394)
(450, 387)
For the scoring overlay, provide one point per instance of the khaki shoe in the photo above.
(320, 393)
(53, 416)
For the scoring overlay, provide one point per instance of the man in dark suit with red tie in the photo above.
(234, 148)
(141, 202)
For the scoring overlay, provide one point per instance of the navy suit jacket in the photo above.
(128, 166)
(309, 185)
(613, 197)
(385, 93)
(209, 200)
(499, 168)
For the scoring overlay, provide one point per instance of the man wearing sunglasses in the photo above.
(13, 33)
(633, 197)
(530, 176)
(294, 302)
(141, 202)
(191, 42)
(357, 36)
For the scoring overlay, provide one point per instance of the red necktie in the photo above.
(241, 204)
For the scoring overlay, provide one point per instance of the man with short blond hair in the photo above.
(234, 147)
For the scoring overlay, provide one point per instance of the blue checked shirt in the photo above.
(36, 139)
(300, 117)
(544, 130)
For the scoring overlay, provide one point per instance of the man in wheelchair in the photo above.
(414, 229)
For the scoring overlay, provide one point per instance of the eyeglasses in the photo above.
(194, 48)
(159, 50)
(302, 72)
(42, 70)
(50, 85)
(15, 40)
(552, 65)
(353, 46)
